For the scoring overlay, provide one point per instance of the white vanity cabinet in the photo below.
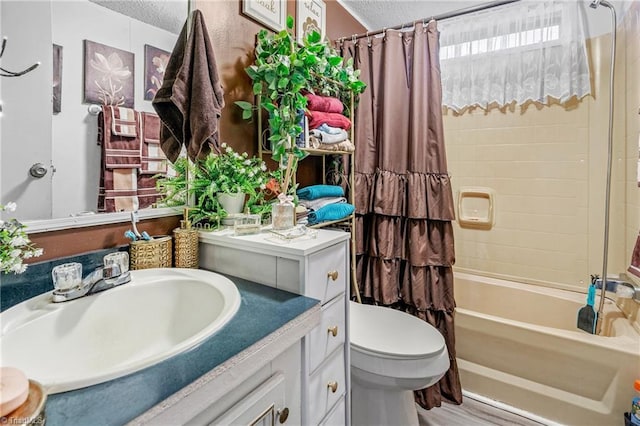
(317, 268)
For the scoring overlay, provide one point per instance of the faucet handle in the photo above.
(111, 271)
(119, 258)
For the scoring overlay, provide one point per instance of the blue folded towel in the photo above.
(330, 212)
(318, 191)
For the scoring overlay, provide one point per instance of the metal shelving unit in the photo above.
(348, 222)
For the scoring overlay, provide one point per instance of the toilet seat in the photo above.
(390, 334)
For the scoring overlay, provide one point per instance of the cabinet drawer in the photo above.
(326, 386)
(322, 341)
(337, 416)
(327, 275)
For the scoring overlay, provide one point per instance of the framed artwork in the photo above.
(155, 64)
(57, 79)
(270, 13)
(108, 75)
(311, 16)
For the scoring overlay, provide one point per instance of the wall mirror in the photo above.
(63, 142)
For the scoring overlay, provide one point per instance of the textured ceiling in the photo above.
(166, 14)
(378, 14)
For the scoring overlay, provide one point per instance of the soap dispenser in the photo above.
(186, 244)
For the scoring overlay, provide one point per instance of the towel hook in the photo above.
(7, 73)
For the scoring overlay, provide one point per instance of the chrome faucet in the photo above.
(114, 273)
(635, 288)
(613, 284)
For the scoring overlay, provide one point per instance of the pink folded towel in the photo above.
(317, 118)
(324, 103)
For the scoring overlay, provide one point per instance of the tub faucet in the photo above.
(636, 290)
(109, 276)
(613, 284)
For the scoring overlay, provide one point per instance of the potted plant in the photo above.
(282, 70)
(213, 181)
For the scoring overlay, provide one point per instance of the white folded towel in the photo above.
(321, 202)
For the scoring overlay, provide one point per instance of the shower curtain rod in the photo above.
(440, 17)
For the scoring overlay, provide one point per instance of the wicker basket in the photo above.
(186, 241)
(155, 253)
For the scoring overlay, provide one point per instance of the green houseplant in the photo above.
(227, 173)
(282, 70)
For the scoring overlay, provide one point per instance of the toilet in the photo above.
(392, 354)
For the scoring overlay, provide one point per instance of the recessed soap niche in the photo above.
(476, 207)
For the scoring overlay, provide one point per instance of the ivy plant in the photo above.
(282, 70)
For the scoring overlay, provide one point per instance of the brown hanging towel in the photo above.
(191, 98)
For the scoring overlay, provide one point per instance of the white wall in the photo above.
(76, 156)
(25, 125)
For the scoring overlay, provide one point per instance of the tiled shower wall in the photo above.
(547, 166)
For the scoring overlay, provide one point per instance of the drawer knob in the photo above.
(333, 330)
(283, 415)
(333, 385)
(333, 275)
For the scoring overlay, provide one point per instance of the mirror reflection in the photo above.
(50, 160)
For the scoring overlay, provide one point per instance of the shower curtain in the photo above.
(404, 202)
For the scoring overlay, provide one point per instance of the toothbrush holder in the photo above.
(155, 253)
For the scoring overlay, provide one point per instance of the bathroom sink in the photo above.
(160, 313)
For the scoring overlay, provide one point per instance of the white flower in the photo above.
(263, 167)
(251, 174)
(247, 162)
(18, 268)
(38, 252)
(263, 186)
(228, 149)
(15, 253)
(111, 68)
(19, 241)
(10, 207)
(241, 170)
(224, 145)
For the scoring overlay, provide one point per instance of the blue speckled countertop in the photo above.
(263, 310)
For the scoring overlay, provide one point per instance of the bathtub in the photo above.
(518, 344)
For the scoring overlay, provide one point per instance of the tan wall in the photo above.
(631, 29)
(547, 166)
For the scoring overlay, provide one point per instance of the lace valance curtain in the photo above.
(520, 52)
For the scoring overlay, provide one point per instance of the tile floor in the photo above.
(471, 413)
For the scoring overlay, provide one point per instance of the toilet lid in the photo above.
(391, 333)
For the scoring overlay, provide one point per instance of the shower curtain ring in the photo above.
(353, 38)
(368, 39)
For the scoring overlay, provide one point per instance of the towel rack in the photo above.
(7, 73)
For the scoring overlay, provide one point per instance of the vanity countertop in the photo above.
(266, 316)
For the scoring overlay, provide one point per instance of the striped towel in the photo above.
(153, 159)
(123, 122)
(118, 191)
(119, 150)
(120, 159)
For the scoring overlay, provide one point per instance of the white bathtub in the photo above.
(518, 344)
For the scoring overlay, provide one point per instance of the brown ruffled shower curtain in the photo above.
(404, 202)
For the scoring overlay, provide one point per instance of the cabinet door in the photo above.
(263, 406)
(329, 335)
(327, 273)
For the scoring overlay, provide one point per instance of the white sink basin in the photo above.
(96, 338)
